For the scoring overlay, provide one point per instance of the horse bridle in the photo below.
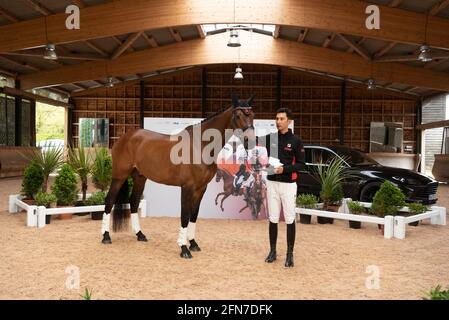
(246, 112)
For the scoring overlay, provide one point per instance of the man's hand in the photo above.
(279, 170)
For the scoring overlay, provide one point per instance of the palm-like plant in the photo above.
(82, 163)
(331, 176)
(102, 169)
(49, 160)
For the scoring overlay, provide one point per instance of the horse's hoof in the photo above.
(194, 246)
(141, 237)
(106, 238)
(185, 253)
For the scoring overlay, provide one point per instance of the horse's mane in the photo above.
(214, 115)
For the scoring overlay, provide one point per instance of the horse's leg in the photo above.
(223, 199)
(218, 195)
(113, 192)
(186, 209)
(138, 186)
(197, 197)
(243, 208)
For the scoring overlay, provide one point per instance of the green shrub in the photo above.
(417, 208)
(102, 169)
(388, 200)
(337, 195)
(45, 199)
(356, 207)
(437, 294)
(65, 186)
(308, 201)
(97, 198)
(32, 180)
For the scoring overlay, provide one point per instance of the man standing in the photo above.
(288, 151)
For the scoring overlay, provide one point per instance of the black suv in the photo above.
(366, 176)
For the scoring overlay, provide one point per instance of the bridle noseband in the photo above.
(246, 111)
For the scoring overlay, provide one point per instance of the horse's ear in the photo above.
(250, 100)
(235, 99)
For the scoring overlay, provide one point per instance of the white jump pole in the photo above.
(440, 219)
(41, 213)
(399, 227)
(388, 227)
(12, 204)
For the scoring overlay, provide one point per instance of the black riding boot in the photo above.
(291, 234)
(273, 239)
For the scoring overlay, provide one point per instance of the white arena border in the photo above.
(395, 226)
(36, 214)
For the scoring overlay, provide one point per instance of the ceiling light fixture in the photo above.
(50, 48)
(109, 83)
(238, 73)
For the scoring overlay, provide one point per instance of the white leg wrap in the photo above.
(182, 237)
(105, 223)
(191, 230)
(135, 222)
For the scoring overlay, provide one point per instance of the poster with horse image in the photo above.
(238, 191)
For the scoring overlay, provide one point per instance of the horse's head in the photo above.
(243, 119)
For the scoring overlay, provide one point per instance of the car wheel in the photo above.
(368, 192)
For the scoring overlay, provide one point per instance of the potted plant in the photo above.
(65, 188)
(32, 181)
(47, 200)
(308, 201)
(416, 208)
(95, 199)
(355, 207)
(437, 293)
(81, 162)
(331, 176)
(50, 160)
(388, 200)
(102, 169)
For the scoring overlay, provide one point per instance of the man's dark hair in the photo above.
(287, 111)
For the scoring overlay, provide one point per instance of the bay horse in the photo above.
(228, 186)
(144, 154)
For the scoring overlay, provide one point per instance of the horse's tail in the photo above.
(120, 214)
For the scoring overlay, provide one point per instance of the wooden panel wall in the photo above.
(315, 101)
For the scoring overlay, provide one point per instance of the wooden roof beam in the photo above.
(258, 49)
(277, 30)
(150, 40)
(8, 16)
(200, 31)
(303, 34)
(127, 44)
(356, 47)
(438, 7)
(328, 40)
(118, 17)
(38, 7)
(175, 34)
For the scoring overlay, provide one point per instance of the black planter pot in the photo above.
(304, 218)
(355, 224)
(97, 215)
(324, 220)
(47, 218)
(414, 224)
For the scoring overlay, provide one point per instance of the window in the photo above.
(216, 28)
